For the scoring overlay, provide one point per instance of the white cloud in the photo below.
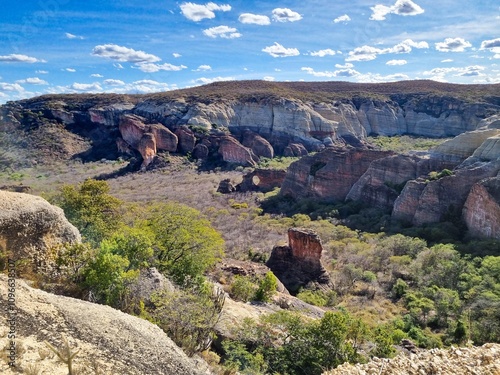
(329, 74)
(71, 70)
(438, 74)
(152, 68)
(119, 53)
(374, 78)
(255, 19)
(222, 31)
(447, 60)
(19, 58)
(268, 78)
(453, 45)
(204, 81)
(87, 87)
(396, 62)
(345, 18)
(33, 81)
(72, 36)
(203, 68)
(96, 75)
(113, 82)
(118, 66)
(493, 45)
(42, 72)
(345, 66)
(401, 7)
(411, 43)
(176, 55)
(323, 52)
(277, 50)
(11, 87)
(198, 12)
(285, 15)
(368, 53)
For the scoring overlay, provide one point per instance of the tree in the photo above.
(90, 208)
(185, 243)
(267, 287)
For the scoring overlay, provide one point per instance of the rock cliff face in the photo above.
(262, 180)
(328, 175)
(299, 263)
(30, 226)
(482, 209)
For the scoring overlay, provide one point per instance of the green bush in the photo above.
(242, 288)
(267, 287)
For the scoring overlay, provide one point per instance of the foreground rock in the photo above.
(299, 263)
(484, 360)
(117, 343)
(30, 226)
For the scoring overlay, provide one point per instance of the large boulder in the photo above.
(112, 341)
(186, 139)
(299, 263)
(30, 226)
(259, 146)
(233, 151)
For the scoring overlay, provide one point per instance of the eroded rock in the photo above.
(481, 211)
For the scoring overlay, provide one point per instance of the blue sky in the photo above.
(141, 46)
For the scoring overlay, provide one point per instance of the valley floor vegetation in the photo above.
(432, 285)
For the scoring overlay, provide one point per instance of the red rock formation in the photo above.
(186, 139)
(299, 263)
(200, 151)
(481, 211)
(329, 174)
(147, 148)
(131, 129)
(295, 149)
(259, 146)
(233, 151)
(123, 147)
(165, 139)
(262, 180)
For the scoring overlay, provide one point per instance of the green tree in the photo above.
(90, 208)
(242, 288)
(185, 243)
(267, 287)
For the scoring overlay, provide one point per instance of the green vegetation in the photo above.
(404, 144)
(278, 162)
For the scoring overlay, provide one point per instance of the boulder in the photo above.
(262, 180)
(259, 146)
(150, 281)
(295, 149)
(233, 151)
(165, 139)
(186, 139)
(299, 263)
(226, 186)
(131, 129)
(328, 175)
(200, 151)
(30, 226)
(147, 148)
(481, 211)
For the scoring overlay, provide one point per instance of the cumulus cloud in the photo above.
(87, 87)
(285, 15)
(493, 45)
(113, 82)
(72, 36)
(19, 58)
(396, 62)
(453, 45)
(33, 81)
(203, 68)
(204, 81)
(119, 53)
(345, 66)
(367, 53)
(401, 7)
(268, 78)
(96, 75)
(11, 87)
(277, 50)
(198, 12)
(323, 52)
(329, 74)
(375, 77)
(222, 31)
(438, 74)
(176, 55)
(345, 18)
(152, 68)
(255, 19)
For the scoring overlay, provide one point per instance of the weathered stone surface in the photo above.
(226, 186)
(117, 342)
(259, 146)
(443, 196)
(150, 281)
(489, 149)
(454, 361)
(233, 151)
(123, 147)
(299, 263)
(147, 148)
(295, 149)
(381, 184)
(328, 175)
(164, 138)
(262, 180)
(131, 129)
(186, 139)
(30, 226)
(481, 211)
(200, 151)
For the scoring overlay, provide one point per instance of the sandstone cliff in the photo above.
(30, 226)
(481, 211)
(115, 342)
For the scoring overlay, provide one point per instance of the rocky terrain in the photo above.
(483, 360)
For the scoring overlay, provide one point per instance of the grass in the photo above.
(403, 144)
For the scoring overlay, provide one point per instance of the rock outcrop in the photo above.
(484, 360)
(259, 146)
(30, 226)
(481, 211)
(330, 174)
(299, 263)
(187, 139)
(233, 151)
(262, 180)
(115, 342)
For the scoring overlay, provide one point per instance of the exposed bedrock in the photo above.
(481, 211)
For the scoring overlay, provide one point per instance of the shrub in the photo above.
(242, 288)
(267, 287)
